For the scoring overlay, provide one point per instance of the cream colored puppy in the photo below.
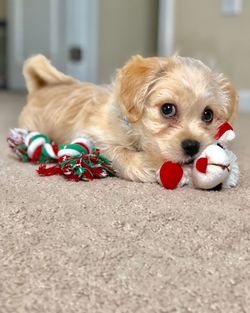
(157, 109)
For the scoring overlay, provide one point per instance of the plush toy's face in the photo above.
(180, 106)
(212, 168)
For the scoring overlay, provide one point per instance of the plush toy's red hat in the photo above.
(225, 133)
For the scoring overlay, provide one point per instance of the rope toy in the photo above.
(79, 160)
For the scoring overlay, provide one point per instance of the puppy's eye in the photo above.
(168, 110)
(207, 116)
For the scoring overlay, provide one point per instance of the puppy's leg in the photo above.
(133, 165)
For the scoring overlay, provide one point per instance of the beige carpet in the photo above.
(116, 246)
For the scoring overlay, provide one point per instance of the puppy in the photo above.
(157, 109)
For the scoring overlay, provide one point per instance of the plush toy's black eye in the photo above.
(207, 116)
(168, 110)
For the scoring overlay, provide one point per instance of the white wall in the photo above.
(203, 31)
(126, 28)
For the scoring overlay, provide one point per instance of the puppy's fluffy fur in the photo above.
(64, 108)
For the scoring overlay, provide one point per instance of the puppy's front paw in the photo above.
(133, 165)
(139, 172)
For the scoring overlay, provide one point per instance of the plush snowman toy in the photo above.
(214, 169)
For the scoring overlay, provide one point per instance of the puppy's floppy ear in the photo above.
(232, 96)
(133, 82)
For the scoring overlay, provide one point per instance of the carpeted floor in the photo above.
(116, 246)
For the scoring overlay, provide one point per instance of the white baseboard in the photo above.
(244, 100)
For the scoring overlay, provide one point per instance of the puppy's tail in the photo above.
(38, 73)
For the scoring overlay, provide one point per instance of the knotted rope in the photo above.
(79, 160)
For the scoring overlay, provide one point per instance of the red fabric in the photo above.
(55, 148)
(201, 165)
(36, 155)
(222, 129)
(48, 171)
(170, 174)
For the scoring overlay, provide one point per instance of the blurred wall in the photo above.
(126, 27)
(220, 41)
(2, 9)
(2, 44)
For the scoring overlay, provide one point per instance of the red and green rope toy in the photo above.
(79, 160)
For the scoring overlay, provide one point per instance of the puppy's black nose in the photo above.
(190, 147)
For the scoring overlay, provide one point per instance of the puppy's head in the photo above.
(175, 104)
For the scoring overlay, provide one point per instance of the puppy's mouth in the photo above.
(188, 162)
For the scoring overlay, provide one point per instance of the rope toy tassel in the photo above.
(16, 143)
(83, 167)
(79, 160)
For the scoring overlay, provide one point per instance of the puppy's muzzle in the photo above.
(190, 147)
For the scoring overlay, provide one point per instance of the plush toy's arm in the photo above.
(172, 175)
(234, 171)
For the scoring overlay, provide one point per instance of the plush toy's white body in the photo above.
(222, 168)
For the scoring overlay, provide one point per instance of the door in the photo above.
(62, 30)
(81, 39)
